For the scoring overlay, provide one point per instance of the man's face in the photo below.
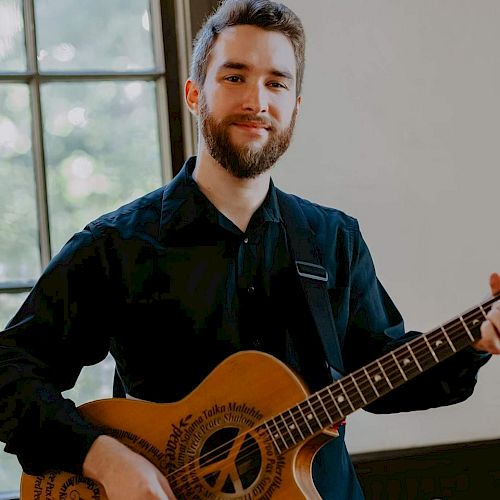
(248, 103)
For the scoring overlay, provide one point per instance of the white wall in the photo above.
(400, 127)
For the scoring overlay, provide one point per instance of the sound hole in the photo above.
(236, 476)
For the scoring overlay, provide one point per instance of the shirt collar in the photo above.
(183, 203)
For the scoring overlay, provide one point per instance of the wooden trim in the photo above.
(461, 471)
(360, 458)
(172, 81)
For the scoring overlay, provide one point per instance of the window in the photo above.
(84, 127)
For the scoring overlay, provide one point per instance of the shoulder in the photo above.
(141, 215)
(325, 220)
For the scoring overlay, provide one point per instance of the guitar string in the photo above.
(247, 450)
(396, 368)
(451, 332)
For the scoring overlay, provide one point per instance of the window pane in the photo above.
(12, 51)
(102, 150)
(95, 35)
(19, 258)
(95, 382)
(10, 471)
(9, 304)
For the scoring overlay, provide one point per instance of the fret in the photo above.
(305, 419)
(473, 318)
(314, 414)
(406, 363)
(340, 399)
(322, 414)
(327, 413)
(399, 366)
(273, 437)
(346, 396)
(385, 375)
(297, 426)
(378, 378)
(279, 434)
(365, 385)
(358, 389)
(371, 383)
(440, 345)
(414, 357)
(467, 329)
(448, 338)
(430, 348)
(288, 430)
(335, 402)
(483, 311)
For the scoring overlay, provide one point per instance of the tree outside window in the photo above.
(84, 128)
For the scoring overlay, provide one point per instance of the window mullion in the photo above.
(156, 31)
(163, 130)
(37, 134)
(184, 40)
(161, 91)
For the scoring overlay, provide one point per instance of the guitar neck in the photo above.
(365, 385)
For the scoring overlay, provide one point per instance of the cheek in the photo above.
(221, 105)
(284, 113)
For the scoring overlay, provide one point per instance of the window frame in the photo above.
(169, 36)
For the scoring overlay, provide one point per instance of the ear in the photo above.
(191, 96)
(298, 103)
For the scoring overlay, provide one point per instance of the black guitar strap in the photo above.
(313, 277)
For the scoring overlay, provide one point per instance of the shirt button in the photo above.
(257, 343)
(251, 289)
(245, 240)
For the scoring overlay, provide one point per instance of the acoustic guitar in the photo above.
(251, 429)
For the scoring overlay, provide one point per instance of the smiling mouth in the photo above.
(253, 127)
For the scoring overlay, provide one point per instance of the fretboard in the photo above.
(362, 387)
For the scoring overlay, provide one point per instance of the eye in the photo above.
(278, 85)
(233, 78)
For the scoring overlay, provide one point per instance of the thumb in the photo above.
(166, 487)
(495, 283)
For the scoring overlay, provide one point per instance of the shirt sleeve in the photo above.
(376, 327)
(63, 325)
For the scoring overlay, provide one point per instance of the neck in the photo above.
(236, 198)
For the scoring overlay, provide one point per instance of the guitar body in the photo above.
(202, 443)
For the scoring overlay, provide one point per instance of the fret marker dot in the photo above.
(406, 361)
(438, 343)
(292, 426)
(309, 416)
(276, 436)
(476, 322)
(341, 399)
(377, 378)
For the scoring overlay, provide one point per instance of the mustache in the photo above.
(242, 118)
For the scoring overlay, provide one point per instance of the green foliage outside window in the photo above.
(101, 141)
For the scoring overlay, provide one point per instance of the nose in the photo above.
(255, 99)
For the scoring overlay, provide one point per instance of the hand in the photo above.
(490, 329)
(124, 473)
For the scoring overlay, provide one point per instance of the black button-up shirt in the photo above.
(171, 287)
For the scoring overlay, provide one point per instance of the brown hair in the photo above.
(264, 14)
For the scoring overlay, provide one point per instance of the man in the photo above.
(176, 281)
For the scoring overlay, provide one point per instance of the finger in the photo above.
(495, 283)
(494, 316)
(490, 336)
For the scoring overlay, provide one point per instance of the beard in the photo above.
(244, 162)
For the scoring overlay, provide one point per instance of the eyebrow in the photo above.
(245, 67)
